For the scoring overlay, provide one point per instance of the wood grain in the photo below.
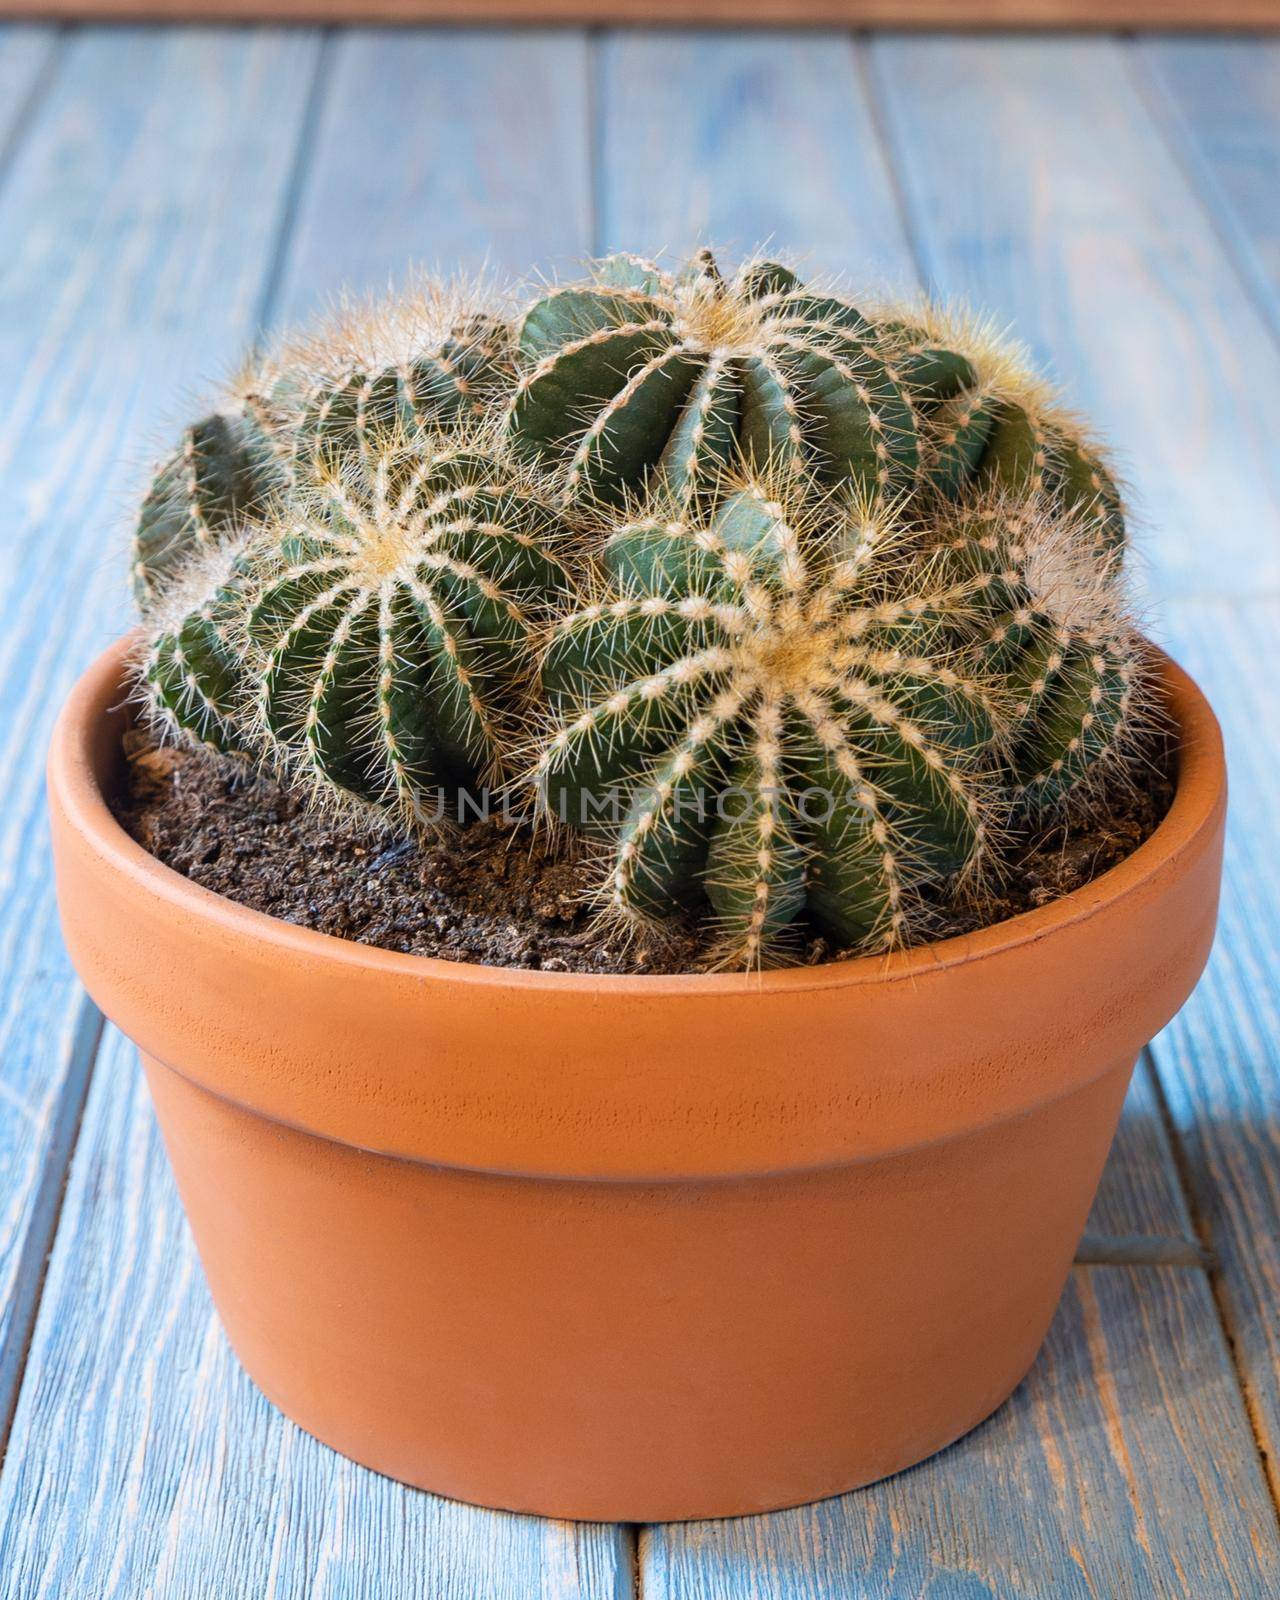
(1220, 101)
(1039, 186)
(1219, 1061)
(454, 150)
(1122, 1468)
(1195, 14)
(119, 280)
(142, 1462)
(1140, 1212)
(145, 1462)
(759, 139)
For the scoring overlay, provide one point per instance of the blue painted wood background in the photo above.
(164, 194)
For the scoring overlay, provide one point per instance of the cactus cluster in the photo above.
(788, 606)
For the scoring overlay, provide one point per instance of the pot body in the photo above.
(634, 1248)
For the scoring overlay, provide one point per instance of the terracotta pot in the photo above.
(634, 1248)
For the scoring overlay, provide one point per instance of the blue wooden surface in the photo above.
(456, 150)
(161, 194)
(119, 271)
(1220, 103)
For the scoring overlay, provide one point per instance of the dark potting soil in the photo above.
(496, 892)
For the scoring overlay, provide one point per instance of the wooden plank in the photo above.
(1039, 186)
(150, 1465)
(730, 124)
(1200, 15)
(1219, 1061)
(455, 150)
(120, 280)
(1123, 1467)
(1220, 101)
(761, 138)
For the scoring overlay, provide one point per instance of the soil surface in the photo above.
(497, 893)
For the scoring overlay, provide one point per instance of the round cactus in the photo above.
(987, 423)
(796, 704)
(352, 409)
(639, 374)
(192, 669)
(222, 473)
(419, 360)
(806, 604)
(1056, 633)
(755, 708)
(374, 635)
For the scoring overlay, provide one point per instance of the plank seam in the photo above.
(46, 1210)
(1140, 1250)
(39, 87)
(295, 186)
(1157, 100)
(629, 1533)
(594, 110)
(1217, 1283)
(865, 75)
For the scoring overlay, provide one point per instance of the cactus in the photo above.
(351, 410)
(800, 704)
(800, 606)
(987, 422)
(373, 636)
(729, 670)
(641, 375)
(1054, 630)
(222, 473)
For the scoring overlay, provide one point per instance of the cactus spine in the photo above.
(784, 722)
(987, 423)
(222, 473)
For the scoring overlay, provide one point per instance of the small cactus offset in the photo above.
(794, 611)
(417, 360)
(1056, 633)
(386, 380)
(222, 473)
(987, 422)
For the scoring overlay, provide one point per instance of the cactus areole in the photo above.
(783, 615)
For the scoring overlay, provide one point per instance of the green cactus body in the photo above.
(353, 412)
(374, 637)
(1050, 631)
(800, 606)
(222, 474)
(390, 635)
(193, 669)
(638, 376)
(985, 424)
(774, 724)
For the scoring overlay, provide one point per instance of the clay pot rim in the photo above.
(1201, 780)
